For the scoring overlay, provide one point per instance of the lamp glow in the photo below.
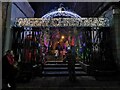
(62, 37)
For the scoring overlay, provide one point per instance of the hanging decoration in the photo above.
(62, 22)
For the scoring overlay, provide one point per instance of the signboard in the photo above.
(62, 22)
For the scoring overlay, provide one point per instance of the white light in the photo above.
(62, 22)
(62, 37)
(8, 85)
(61, 13)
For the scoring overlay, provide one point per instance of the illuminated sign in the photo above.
(62, 22)
(61, 14)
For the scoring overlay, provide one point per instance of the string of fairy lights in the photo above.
(71, 20)
(62, 22)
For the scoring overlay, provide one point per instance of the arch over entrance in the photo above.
(61, 37)
(88, 42)
(62, 18)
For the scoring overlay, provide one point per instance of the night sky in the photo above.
(84, 9)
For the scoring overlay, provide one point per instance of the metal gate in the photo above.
(93, 47)
(26, 44)
(97, 49)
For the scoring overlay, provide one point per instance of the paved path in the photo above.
(55, 83)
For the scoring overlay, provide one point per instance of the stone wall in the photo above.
(0, 45)
(12, 11)
(113, 14)
(109, 14)
(21, 9)
(116, 22)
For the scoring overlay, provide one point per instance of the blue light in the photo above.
(84, 44)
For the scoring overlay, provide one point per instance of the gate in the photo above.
(93, 46)
(26, 44)
(92, 42)
(96, 49)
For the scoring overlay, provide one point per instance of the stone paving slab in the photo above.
(63, 82)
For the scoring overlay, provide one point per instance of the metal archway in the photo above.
(61, 12)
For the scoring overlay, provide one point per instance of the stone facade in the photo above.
(21, 10)
(0, 44)
(113, 14)
(11, 11)
(116, 22)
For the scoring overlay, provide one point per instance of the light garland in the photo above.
(62, 22)
(61, 14)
